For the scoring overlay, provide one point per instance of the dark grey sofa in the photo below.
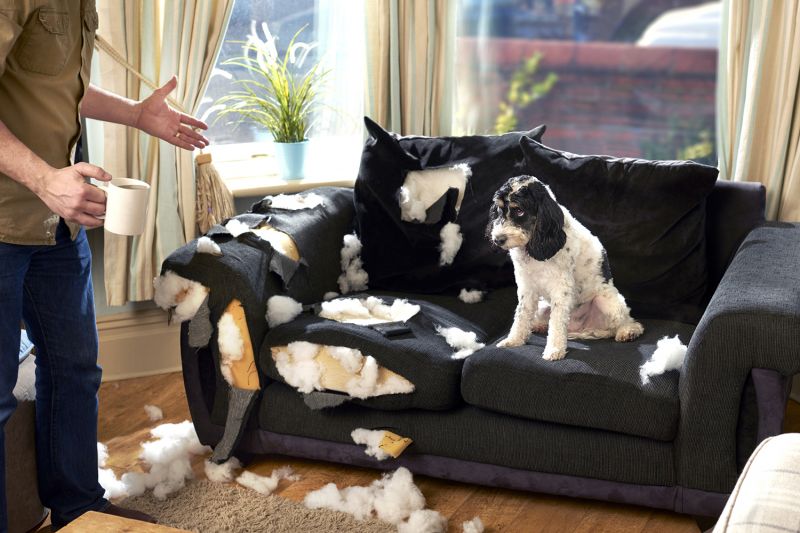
(583, 427)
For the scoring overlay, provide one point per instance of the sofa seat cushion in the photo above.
(596, 386)
(421, 356)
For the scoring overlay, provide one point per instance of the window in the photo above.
(630, 78)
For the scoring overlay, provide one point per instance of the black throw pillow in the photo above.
(650, 217)
(401, 255)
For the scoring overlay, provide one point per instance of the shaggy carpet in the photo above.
(207, 507)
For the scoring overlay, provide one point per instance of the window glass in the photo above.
(633, 78)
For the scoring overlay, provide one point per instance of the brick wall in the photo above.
(611, 98)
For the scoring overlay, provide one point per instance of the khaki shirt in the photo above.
(45, 56)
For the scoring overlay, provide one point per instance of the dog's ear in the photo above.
(547, 236)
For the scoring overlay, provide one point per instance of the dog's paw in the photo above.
(553, 354)
(508, 342)
(628, 332)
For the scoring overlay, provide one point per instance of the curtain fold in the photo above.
(159, 38)
(758, 100)
(411, 65)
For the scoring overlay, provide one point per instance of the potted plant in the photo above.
(280, 95)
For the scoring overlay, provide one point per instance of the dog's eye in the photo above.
(516, 212)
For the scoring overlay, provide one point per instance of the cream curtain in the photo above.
(410, 65)
(160, 38)
(758, 100)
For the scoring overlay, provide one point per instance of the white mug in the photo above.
(126, 205)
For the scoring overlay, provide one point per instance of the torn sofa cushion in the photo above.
(407, 255)
(650, 217)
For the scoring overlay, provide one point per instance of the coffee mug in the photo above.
(126, 205)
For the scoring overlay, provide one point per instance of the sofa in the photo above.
(691, 254)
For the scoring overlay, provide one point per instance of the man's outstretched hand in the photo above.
(155, 117)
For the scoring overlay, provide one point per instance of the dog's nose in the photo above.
(500, 240)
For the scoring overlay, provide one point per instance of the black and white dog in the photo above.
(561, 269)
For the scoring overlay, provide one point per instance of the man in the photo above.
(45, 262)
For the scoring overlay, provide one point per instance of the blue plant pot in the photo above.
(291, 159)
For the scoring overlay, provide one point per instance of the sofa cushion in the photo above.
(649, 215)
(402, 255)
(421, 356)
(597, 385)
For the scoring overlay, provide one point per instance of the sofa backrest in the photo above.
(732, 209)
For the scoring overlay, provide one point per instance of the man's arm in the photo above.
(152, 115)
(64, 190)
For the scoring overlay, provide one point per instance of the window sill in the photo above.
(250, 169)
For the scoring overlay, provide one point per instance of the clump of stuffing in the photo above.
(168, 458)
(471, 296)
(154, 413)
(298, 364)
(353, 278)
(183, 296)
(473, 526)
(367, 311)
(422, 188)
(206, 246)
(424, 521)
(371, 438)
(236, 227)
(451, 243)
(231, 345)
(223, 472)
(282, 309)
(330, 295)
(669, 355)
(295, 201)
(266, 485)
(464, 342)
(394, 498)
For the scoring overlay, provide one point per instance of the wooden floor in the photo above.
(123, 425)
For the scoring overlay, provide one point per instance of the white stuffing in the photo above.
(464, 342)
(372, 439)
(182, 295)
(394, 498)
(223, 472)
(472, 526)
(206, 246)
(451, 243)
(353, 277)
(330, 295)
(422, 188)
(296, 201)
(669, 355)
(471, 296)
(231, 345)
(168, 458)
(236, 227)
(297, 365)
(282, 309)
(154, 413)
(266, 485)
(102, 454)
(424, 521)
(367, 311)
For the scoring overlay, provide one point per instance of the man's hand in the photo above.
(67, 194)
(156, 117)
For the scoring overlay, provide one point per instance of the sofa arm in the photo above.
(751, 322)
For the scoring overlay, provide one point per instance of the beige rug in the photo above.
(207, 507)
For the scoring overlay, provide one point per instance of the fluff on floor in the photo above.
(394, 498)
(669, 355)
(464, 342)
(308, 367)
(154, 413)
(472, 526)
(168, 458)
(365, 311)
(180, 295)
(353, 278)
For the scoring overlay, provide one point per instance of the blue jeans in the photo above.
(50, 289)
